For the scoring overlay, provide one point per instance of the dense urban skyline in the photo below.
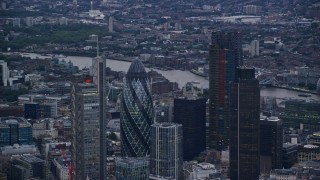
(193, 89)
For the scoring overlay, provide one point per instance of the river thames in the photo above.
(181, 77)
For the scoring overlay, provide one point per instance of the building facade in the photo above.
(86, 142)
(271, 138)
(15, 130)
(244, 126)
(4, 73)
(166, 150)
(136, 112)
(299, 112)
(191, 113)
(133, 168)
(254, 48)
(99, 79)
(225, 55)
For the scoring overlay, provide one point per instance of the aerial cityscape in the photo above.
(159, 90)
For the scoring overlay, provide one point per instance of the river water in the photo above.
(181, 77)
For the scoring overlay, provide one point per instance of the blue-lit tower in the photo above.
(136, 114)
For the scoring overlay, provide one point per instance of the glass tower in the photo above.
(225, 54)
(136, 112)
(166, 150)
(191, 113)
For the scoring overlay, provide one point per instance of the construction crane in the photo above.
(70, 165)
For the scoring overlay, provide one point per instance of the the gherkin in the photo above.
(136, 112)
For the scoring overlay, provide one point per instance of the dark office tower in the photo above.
(86, 126)
(222, 63)
(99, 74)
(136, 113)
(166, 151)
(31, 110)
(244, 126)
(271, 140)
(231, 40)
(191, 113)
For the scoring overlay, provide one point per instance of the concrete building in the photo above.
(63, 21)
(290, 153)
(192, 170)
(166, 151)
(283, 174)
(110, 25)
(99, 79)
(28, 167)
(250, 9)
(62, 167)
(86, 134)
(308, 153)
(17, 149)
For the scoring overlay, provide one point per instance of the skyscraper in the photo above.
(225, 55)
(136, 113)
(166, 150)
(110, 25)
(86, 126)
(244, 126)
(271, 140)
(254, 48)
(191, 113)
(4, 73)
(99, 79)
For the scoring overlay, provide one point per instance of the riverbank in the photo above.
(297, 90)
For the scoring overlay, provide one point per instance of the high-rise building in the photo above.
(136, 113)
(244, 126)
(166, 151)
(29, 21)
(4, 73)
(16, 22)
(254, 48)
(318, 86)
(86, 130)
(110, 24)
(191, 113)
(99, 79)
(250, 9)
(15, 130)
(271, 140)
(225, 55)
(132, 168)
